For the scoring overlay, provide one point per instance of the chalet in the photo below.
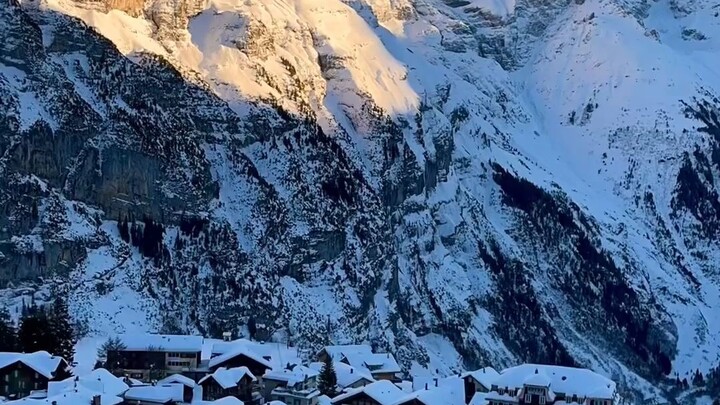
(152, 357)
(295, 384)
(378, 393)
(443, 391)
(237, 382)
(241, 356)
(165, 394)
(347, 375)
(187, 383)
(535, 384)
(382, 366)
(21, 373)
(479, 381)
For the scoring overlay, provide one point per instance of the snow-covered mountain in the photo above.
(463, 182)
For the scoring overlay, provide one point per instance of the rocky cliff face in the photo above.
(460, 182)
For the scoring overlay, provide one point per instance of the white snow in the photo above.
(229, 377)
(168, 343)
(384, 392)
(155, 393)
(42, 362)
(98, 380)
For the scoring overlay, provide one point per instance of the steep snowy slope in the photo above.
(461, 182)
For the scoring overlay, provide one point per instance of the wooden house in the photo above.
(151, 357)
(21, 373)
(238, 382)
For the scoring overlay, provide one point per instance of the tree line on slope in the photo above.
(47, 328)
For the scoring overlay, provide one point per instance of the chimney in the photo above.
(425, 385)
(227, 336)
(352, 370)
(436, 382)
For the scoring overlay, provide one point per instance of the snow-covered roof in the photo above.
(485, 376)
(306, 393)
(405, 386)
(567, 380)
(384, 392)
(165, 343)
(347, 375)
(363, 356)
(480, 398)
(449, 391)
(537, 379)
(297, 374)
(224, 401)
(178, 378)
(100, 381)
(159, 394)
(229, 377)
(76, 396)
(42, 362)
(240, 350)
(494, 396)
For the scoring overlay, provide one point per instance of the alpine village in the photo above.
(155, 369)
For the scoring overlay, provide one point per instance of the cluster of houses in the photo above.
(172, 370)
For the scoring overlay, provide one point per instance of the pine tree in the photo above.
(8, 333)
(327, 381)
(61, 330)
(33, 334)
(252, 327)
(698, 379)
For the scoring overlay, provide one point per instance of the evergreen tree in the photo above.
(327, 381)
(698, 379)
(252, 327)
(61, 330)
(124, 230)
(8, 333)
(33, 334)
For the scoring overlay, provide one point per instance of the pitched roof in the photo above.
(238, 351)
(159, 394)
(449, 391)
(178, 378)
(347, 375)
(480, 398)
(166, 343)
(384, 392)
(225, 401)
(229, 377)
(567, 380)
(99, 381)
(363, 356)
(297, 374)
(485, 376)
(75, 396)
(42, 362)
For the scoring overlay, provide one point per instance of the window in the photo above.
(7, 377)
(528, 397)
(542, 399)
